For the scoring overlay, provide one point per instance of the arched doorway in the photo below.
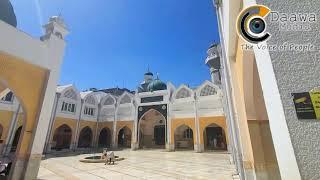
(152, 130)
(214, 138)
(124, 137)
(85, 138)
(16, 138)
(183, 138)
(62, 137)
(105, 138)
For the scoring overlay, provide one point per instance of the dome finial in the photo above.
(158, 76)
(148, 73)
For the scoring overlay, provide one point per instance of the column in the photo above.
(96, 140)
(11, 132)
(75, 139)
(198, 146)
(135, 135)
(114, 143)
(170, 146)
(52, 120)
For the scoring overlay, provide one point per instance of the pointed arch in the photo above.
(62, 137)
(69, 99)
(124, 137)
(214, 137)
(105, 137)
(69, 91)
(208, 89)
(152, 129)
(91, 100)
(85, 137)
(108, 100)
(184, 137)
(89, 97)
(8, 97)
(71, 94)
(125, 98)
(183, 92)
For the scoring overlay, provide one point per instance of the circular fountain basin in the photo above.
(97, 159)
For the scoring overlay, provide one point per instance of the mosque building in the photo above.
(156, 115)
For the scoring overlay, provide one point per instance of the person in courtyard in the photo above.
(108, 156)
(215, 141)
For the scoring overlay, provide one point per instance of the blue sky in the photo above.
(112, 42)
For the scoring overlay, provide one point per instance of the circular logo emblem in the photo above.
(251, 25)
(140, 108)
(164, 107)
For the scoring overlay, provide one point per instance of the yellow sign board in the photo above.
(315, 99)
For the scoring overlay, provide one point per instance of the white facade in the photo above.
(182, 102)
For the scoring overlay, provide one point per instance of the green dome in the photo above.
(7, 13)
(157, 85)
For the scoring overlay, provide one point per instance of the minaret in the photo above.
(55, 27)
(213, 62)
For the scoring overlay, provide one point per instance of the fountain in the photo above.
(99, 159)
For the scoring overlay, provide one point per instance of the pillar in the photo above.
(198, 147)
(11, 132)
(135, 130)
(114, 143)
(170, 146)
(52, 120)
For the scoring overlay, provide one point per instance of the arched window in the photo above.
(8, 97)
(68, 107)
(125, 99)
(109, 101)
(71, 94)
(90, 100)
(89, 111)
(208, 90)
(183, 93)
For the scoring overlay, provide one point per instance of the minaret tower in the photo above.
(213, 62)
(55, 27)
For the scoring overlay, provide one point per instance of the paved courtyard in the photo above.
(143, 164)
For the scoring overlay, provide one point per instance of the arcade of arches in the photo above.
(212, 133)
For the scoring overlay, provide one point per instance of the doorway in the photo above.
(152, 130)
